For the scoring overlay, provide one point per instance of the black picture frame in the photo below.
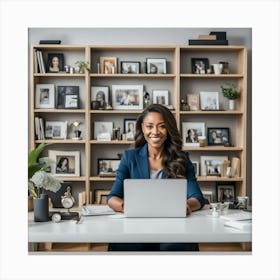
(199, 65)
(226, 192)
(107, 167)
(67, 97)
(217, 136)
(60, 58)
(130, 67)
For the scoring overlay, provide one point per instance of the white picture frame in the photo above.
(214, 165)
(127, 97)
(156, 65)
(161, 96)
(45, 96)
(103, 131)
(56, 130)
(190, 133)
(65, 163)
(209, 101)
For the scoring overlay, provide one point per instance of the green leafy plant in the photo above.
(83, 66)
(229, 91)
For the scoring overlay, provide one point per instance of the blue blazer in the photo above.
(135, 165)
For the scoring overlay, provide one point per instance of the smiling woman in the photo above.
(157, 155)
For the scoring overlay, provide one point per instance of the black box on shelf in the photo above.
(220, 35)
(207, 42)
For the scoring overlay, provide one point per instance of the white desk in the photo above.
(200, 226)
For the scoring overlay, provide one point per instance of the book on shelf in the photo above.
(40, 62)
(39, 129)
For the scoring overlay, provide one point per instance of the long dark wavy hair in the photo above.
(174, 160)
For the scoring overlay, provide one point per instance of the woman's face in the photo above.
(55, 62)
(64, 163)
(154, 130)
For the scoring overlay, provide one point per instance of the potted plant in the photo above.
(83, 66)
(230, 91)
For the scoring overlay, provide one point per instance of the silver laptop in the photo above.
(155, 197)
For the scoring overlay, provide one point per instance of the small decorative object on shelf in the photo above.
(184, 106)
(147, 99)
(77, 132)
(83, 66)
(230, 91)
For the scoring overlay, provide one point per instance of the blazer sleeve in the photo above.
(193, 189)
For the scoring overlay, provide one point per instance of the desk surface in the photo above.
(200, 226)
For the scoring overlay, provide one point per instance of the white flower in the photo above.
(44, 180)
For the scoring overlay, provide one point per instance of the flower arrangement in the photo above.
(230, 91)
(43, 180)
(83, 66)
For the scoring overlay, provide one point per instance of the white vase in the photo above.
(231, 104)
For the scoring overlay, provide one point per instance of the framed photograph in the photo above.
(65, 163)
(196, 167)
(101, 94)
(226, 193)
(56, 130)
(130, 67)
(55, 62)
(100, 196)
(200, 65)
(193, 101)
(160, 96)
(103, 131)
(45, 97)
(211, 165)
(191, 131)
(67, 97)
(107, 167)
(130, 128)
(108, 65)
(217, 136)
(209, 101)
(208, 196)
(156, 65)
(127, 97)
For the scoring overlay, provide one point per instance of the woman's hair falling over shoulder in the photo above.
(174, 160)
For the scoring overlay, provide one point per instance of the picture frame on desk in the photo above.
(156, 65)
(107, 167)
(127, 97)
(217, 136)
(55, 62)
(65, 163)
(56, 129)
(226, 192)
(45, 96)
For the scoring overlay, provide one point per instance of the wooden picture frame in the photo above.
(156, 65)
(108, 65)
(200, 65)
(209, 101)
(217, 136)
(55, 62)
(56, 129)
(226, 192)
(65, 163)
(127, 97)
(45, 96)
(193, 101)
(107, 167)
(130, 67)
(161, 96)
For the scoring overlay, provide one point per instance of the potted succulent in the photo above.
(230, 91)
(83, 66)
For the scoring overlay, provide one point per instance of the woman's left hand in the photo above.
(189, 210)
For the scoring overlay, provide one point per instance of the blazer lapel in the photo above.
(143, 163)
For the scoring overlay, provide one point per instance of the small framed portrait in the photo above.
(209, 101)
(208, 196)
(193, 101)
(191, 131)
(196, 167)
(217, 136)
(107, 167)
(160, 96)
(130, 67)
(45, 97)
(101, 95)
(108, 65)
(200, 65)
(65, 163)
(126, 97)
(156, 65)
(55, 62)
(103, 131)
(225, 193)
(211, 165)
(129, 128)
(56, 130)
(100, 196)
(67, 97)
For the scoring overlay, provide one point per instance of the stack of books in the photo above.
(214, 38)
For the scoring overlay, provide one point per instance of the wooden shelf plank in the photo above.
(218, 179)
(141, 75)
(212, 148)
(203, 76)
(60, 74)
(113, 142)
(71, 178)
(199, 112)
(65, 111)
(61, 141)
(102, 179)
